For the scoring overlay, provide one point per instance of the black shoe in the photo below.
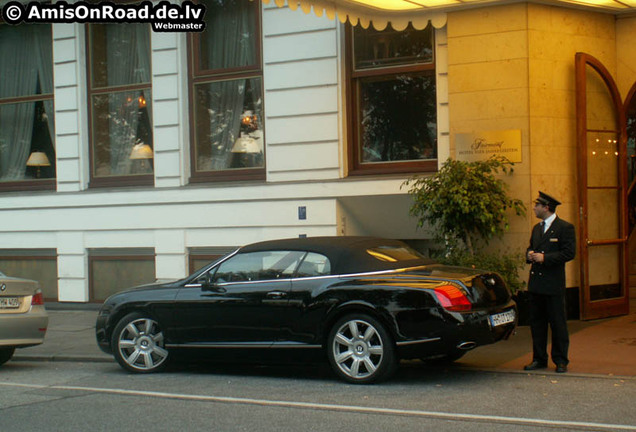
(535, 365)
(561, 368)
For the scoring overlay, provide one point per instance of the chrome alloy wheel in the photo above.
(357, 349)
(140, 345)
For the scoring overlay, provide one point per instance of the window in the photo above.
(392, 97)
(27, 126)
(114, 270)
(255, 266)
(226, 93)
(120, 104)
(314, 265)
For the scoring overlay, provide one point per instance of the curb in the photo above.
(63, 358)
(544, 373)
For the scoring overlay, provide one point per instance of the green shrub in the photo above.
(465, 202)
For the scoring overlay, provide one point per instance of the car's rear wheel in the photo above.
(360, 349)
(138, 344)
(6, 354)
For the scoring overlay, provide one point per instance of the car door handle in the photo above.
(276, 295)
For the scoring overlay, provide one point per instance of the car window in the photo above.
(256, 266)
(314, 265)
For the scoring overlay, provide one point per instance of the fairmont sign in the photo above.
(482, 145)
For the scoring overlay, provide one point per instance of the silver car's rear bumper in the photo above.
(23, 329)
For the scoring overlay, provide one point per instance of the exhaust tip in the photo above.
(466, 346)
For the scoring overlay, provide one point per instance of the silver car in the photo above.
(23, 318)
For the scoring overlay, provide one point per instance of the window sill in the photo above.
(29, 185)
(428, 166)
(122, 181)
(229, 176)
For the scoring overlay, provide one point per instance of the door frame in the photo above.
(619, 305)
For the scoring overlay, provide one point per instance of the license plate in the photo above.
(9, 302)
(502, 318)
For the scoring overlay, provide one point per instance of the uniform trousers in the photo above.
(549, 310)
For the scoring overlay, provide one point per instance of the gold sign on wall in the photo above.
(482, 145)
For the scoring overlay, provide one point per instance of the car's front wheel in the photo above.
(138, 344)
(6, 354)
(360, 349)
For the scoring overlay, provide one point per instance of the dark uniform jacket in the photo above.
(559, 246)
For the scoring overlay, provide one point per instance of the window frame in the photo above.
(116, 180)
(198, 75)
(47, 184)
(354, 165)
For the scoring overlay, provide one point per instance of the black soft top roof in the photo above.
(347, 254)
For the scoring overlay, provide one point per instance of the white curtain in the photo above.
(25, 55)
(127, 62)
(44, 56)
(228, 43)
(226, 105)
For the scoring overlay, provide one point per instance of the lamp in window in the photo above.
(245, 152)
(141, 151)
(38, 159)
(246, 144)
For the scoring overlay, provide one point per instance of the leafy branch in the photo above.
(465, 202)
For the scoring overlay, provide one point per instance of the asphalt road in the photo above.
(59, 396)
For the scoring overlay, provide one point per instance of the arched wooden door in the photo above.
(602, 190)
(630, 117)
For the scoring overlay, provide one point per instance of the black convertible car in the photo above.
(367, 302)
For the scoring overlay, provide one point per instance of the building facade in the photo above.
(164, 150)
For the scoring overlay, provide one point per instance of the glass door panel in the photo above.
(602, 159)
(601, 141)
(603, 223)
(605, 273)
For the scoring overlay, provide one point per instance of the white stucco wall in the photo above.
(305, 161)
(300, 68)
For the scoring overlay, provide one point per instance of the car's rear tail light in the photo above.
(38, 299)
(452, 298)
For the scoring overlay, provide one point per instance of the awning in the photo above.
(358, 12)
(400, 12)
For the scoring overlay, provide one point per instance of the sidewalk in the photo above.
(602, 347)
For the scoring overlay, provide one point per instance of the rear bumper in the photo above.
(23, 330)
(458, 331)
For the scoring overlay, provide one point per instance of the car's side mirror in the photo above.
(209, 285)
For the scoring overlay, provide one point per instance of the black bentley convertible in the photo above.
(367, 302)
